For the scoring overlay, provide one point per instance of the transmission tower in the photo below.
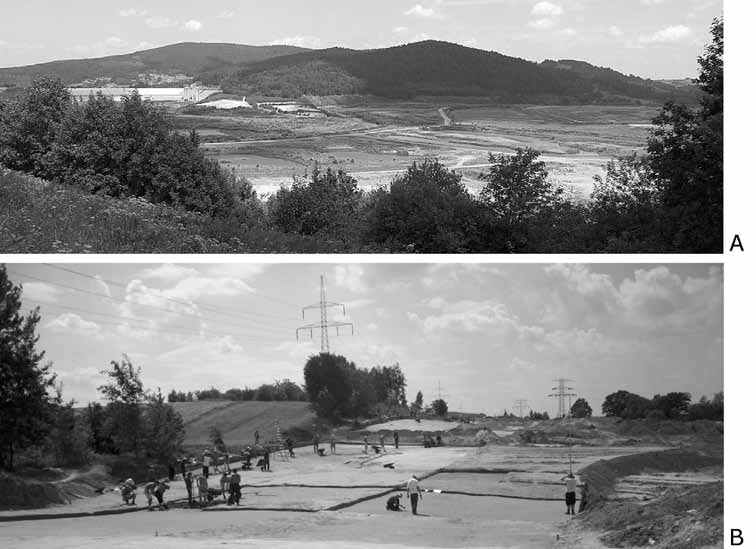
(324, 323)
(563, 393)
(441, 395)
(520, 405)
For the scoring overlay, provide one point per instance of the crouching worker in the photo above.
(159, 490)
(149, 493)
(393, 503)
(128, 492)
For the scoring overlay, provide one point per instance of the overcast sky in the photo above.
(650, 38)
(489, 334)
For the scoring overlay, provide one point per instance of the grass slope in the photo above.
(238, 420)
(41, 217)
(190, 58)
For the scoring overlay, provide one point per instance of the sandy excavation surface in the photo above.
(469, 508)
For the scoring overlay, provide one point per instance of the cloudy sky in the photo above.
(489, 334)
(650, 38)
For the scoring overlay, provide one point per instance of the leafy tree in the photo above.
(625, 405)
(519, 193)
(125, 393)
(29, 127)
(69, 441)
(390, 385)
(427, 209)
(440, 408)
(26, 395)
(625, 207)
(327, 382)
(216, 439)
(417, 405)
(686, 157)
(325, 205)
(708, 409)
(538, 415)
(671, 405)
(581, 408)
(164, 429)
(96, 417)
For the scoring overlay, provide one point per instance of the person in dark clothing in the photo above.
(266, 461)
(183, 467)
(396, 439)
(290, 446)
(393, 503)
(171, 471)
(189, 489)
(234, 488)
(160, 488)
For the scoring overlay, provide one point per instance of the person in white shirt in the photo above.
(413, 491)
(569, 496)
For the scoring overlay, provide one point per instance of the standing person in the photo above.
(202, 490)
(290, 446)
(570, 485)
(257, 437)
(234, 488)
(227, 464)
(396, 439)
(206, 459)
(189, 489)
(365, 440)
(316, 443)
(383, 443)
(266, 461)
(413, 491)
(183, 467)
(171, 471)
(223, 485)
(333, 442)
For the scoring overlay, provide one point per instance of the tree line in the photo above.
(675, 405)
(338, 389)
(36, 423)
(284, 390)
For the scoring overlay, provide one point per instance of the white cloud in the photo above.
(226, 14)
(615, 31)
(673, 33)
(193, 25)
(420, 11)
(40, 291)
(169, 272)
(161, 22)
(132, 12)
(543, 24)
(311, 42)
(350, 277)
(399, 30)
(73, 324)
(547, 9)
(115, 42)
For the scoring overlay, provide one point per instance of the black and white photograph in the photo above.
(401, 126)
(361, 405)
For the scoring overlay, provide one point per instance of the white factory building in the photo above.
(187, 94)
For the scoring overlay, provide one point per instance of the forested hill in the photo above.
(442, 69)
(189, 58)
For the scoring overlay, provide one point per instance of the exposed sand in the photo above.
(492, 515)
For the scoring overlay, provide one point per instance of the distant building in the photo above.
(187, 94)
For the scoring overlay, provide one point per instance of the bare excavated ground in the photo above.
(501, 494)
(377, 140)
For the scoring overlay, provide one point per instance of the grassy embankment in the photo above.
(42, 217)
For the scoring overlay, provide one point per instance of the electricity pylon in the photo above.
(324, 323)
(562, 393)
(521, 405)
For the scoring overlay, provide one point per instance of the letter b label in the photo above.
(736, 537)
